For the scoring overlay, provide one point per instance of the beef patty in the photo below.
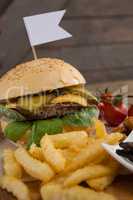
(49, 111)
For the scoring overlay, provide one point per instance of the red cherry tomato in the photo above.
(113, 115)
(112, 108)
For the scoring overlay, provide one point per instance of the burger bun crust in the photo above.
(37, 76)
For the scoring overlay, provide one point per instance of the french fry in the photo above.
(89, 172)
(33, 167)
(91, 140)
(36, 152)
(51, 192)
(79, 192)
(61, 163)
(68, 154)
(52, 155)
(58, 180)
(113, 164)
(10, 164)
(101, 183)
(16, 187)
(86, 155)
(100, 129)
(100, 159)
(114, 138)
(64, 140)
(75, 148)
(92, 152)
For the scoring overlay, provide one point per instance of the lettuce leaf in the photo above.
(42, 127)
(11, 114)
(15, 130)
(83, 118)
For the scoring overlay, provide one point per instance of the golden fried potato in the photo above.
(51, 192)
(100, 159)
(10, 164)
(86, 155)
(93, 152)
(60, 179)
(64, 140)
(61, 163)
(113, 164)
(33, 167)
(36, 152)
(54, 191)
(76, 192)
(89, 172)
(114, 138)
(68, 154)
(82, 193)
(101, 183)
(16, 187)
(52, 155)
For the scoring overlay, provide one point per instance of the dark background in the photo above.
(102, 42)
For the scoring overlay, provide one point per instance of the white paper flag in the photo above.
(45, 28)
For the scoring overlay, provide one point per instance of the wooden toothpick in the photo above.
(34, 52)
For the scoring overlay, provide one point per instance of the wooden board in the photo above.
(100, 8)
(122, 189)
(4, 5)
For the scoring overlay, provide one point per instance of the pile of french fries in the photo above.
(60, 165)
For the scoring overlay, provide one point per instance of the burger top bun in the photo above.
(37, 76)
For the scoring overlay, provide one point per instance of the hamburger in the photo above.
(44, 96)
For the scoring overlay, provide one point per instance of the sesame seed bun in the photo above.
(37, 76)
